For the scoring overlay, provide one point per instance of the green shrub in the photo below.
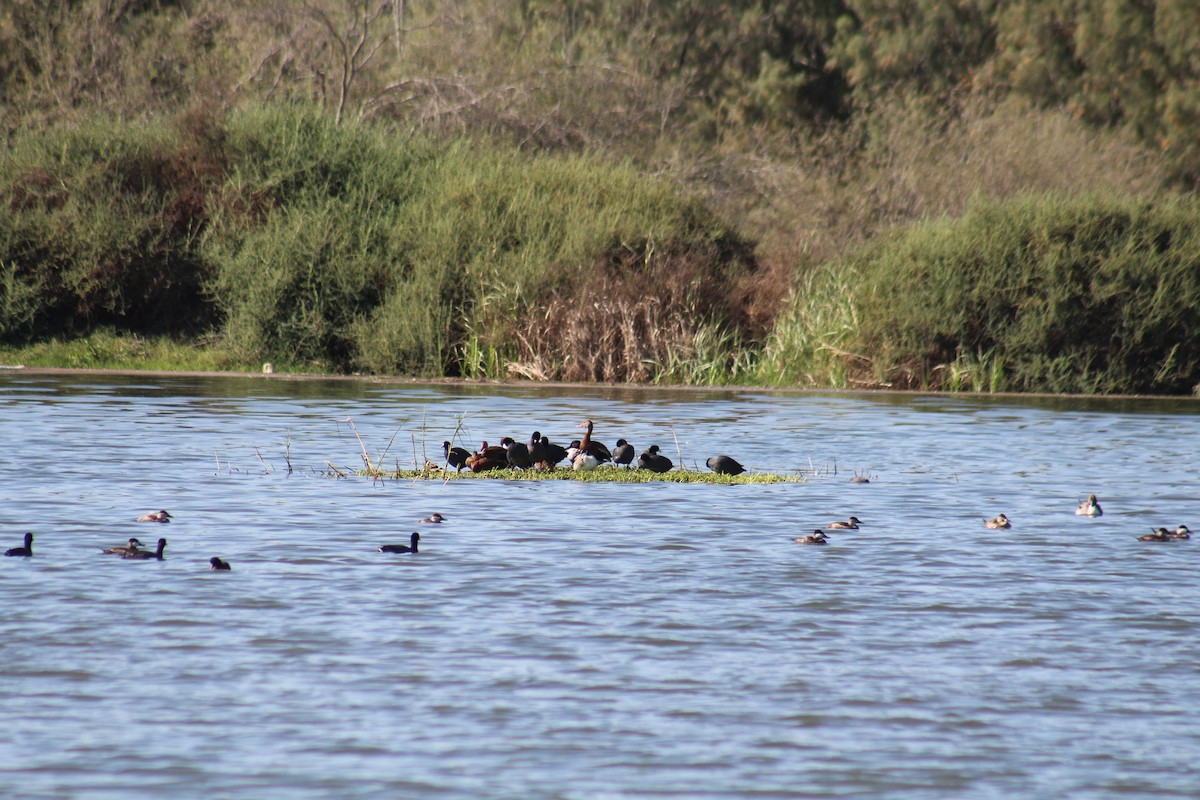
(1040, 294)
(100, 231)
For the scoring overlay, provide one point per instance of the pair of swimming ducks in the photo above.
(132, 549)
(1086, 508)
(818, 536)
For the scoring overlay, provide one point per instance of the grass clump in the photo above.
(106, 349)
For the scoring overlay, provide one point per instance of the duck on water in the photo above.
(411, 547)
(25, 551)
(147, 555)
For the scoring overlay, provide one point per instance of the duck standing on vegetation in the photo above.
(999, 522)
(581, 460)
(154, 516)
(553, 453)
(724, 465)
(455, 456)
(411, 547)
(654, 461)
(488, 458)
(516, 453)
(146, 555)
(849, 525)
(816, 537)
(219, 565)
(133, 545)
(623, 453)
(1089, 508)
(591, 447)
(25, 551)
(537, 453)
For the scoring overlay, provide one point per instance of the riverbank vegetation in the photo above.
(960, 196)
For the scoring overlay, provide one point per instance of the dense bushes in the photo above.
(350, 248)
(1090, 295)
(277, 235)
(99, 229)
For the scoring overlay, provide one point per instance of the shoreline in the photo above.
(20, 369)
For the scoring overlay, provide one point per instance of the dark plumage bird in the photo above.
(455, 456)
(517, 453)
(120, 550)
(554, 453)
(217, 564)
(623, 453)
(654, 461)
(537, 453)
(411, 547)
(592, 448)
(146, 555)
(816, 537)
(25, 551)
(154, 516)
(849, 525)
(1157, 535)
(724, 465)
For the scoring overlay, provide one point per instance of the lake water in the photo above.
(565, 640)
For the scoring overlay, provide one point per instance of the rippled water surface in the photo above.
(563, 640)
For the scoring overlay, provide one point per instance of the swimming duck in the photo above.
(623, 453)
(146, 555)
(849, 525)
(724, 465)
(1089, 508)
(154, 516)
(860, 479)
(120, 550)
(516, 453)
(217, 564)
(411, 547)
(816, 537)
(433, 518)
(1000, 521)
(1156, 535)
(455, 456)
(25, 551)
(653, 461)
(596, 449)
(1181, 532)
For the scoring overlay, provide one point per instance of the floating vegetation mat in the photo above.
(604, 474)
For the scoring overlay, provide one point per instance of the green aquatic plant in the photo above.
(604, 474)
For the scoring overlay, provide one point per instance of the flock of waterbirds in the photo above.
(1089, 507)
(582, 454)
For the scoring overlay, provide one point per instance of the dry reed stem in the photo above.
(366, 457)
